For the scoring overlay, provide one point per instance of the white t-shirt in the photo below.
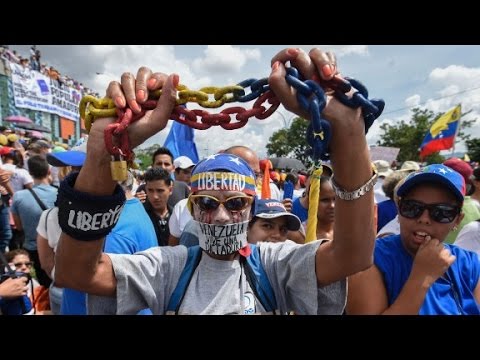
(469, 237)
(392, 227)
(51, 230)
(19, 178)
(179, 218)
(378, 191)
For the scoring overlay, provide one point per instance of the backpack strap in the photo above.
(40, 203)
(193, 259)
(258, 280)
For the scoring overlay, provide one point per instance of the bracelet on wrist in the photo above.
(85, 216)
(355, 194)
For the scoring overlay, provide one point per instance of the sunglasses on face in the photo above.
(20, 264)
(210, 203)
(442, 213)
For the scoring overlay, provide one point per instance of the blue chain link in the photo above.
(312, 98)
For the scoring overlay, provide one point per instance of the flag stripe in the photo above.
(441, 135)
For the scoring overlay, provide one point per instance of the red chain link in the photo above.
(197, 119)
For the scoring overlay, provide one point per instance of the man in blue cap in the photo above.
(306, 279)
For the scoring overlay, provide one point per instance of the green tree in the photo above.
(408, 136)
(473, 147)
(145, 155)
(291, 142)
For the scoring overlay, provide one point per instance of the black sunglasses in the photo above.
(442, 213)
(210, 203)
(20, 264)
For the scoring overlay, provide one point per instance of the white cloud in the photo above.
(224, 59)
(412, 101)
(456, 74)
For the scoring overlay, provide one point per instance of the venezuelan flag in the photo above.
(441, 135)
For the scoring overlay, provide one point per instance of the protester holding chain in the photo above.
(306, 279)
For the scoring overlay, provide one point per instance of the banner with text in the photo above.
(35, 91)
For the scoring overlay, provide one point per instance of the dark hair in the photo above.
(38, 167)
(293, 178)
(476, 173)
(155, 174)
(162, 151)
(18, 159)
(10, 255)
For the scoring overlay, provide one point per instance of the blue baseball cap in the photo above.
(223, 172)
(67, 158)
(271, 209)
(435, 173)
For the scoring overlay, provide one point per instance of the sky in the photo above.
(435, 77)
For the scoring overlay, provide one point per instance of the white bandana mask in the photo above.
(222, 239)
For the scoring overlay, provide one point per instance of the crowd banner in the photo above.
(35, 91)
(384, 153)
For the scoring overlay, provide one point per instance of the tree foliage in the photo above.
(473, 147)
(408, 136)
(145, 156)
(291, 142)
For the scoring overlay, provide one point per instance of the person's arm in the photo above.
(81, 265)
(367, 292)
(18, 222)
(12, 288)
(352, 248)
(367, 295)
(476, 293)
(173, 241)
(296, 236)
(5, 180)
(45, 254)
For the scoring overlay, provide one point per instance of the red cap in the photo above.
(461, 167)
(4, 150)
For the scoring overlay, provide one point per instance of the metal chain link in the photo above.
(310, 95)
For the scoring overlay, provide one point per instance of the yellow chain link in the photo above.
(96, 108)
(92, 108)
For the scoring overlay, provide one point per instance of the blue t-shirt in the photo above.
(386, 212)
(299, 210)
(133, 232)
(27, 208)
(451, 294)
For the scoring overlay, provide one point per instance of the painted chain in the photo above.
(310, 94)
(311, 98)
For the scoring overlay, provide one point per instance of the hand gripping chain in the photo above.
(310, 95)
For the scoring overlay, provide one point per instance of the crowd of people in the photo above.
(34, 63)
(198, 238)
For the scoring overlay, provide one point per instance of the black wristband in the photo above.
(84, 216)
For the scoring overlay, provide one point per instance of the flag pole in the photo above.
(456, 130)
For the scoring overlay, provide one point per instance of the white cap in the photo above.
(383, 168)
(183, 162)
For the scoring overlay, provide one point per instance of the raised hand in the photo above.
(12, 288)
(134, 91)
(431, 261)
